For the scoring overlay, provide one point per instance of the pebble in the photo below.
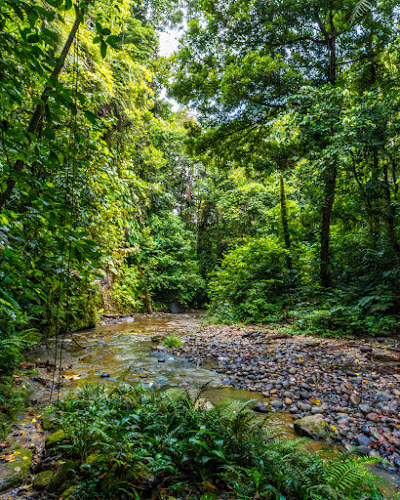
(325, 376)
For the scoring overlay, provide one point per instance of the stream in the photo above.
(124, 351)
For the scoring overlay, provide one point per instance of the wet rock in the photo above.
(312, 426)
(261, 407)
(158, 338)
(42, 480)
(15, 473)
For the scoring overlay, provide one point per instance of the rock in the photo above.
(304, 395)
(176, 308)
(15, 473)
(276, 403)
(304, 406)
(355, 399)
(42, 480)
(63, 478)
(288, 401)
(203, 403)
(261, 407)
(105, 375)
(292, 370)
(55, 439)
(70, 493)
(312, 426)
(362, 450)
(363, 440)
(158, 338)
(93, 459)
(373, 417)
(365, 348)
(365, 408)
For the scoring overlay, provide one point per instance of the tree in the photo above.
(242, 63)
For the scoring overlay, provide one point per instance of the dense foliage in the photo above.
(277, 201)
(302, 100)
(135, 443)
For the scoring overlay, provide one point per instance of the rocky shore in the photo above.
(352, 387)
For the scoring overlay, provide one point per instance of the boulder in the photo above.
(313, 426)
(54, 439)
(42, 480)
(261, 407)
(15, 472)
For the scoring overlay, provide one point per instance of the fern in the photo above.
(361, 8)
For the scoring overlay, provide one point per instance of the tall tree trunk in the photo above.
(329, 192)
(285, 223)
(38, 113)
(390, 216)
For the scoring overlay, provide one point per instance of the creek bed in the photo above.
(124, 351)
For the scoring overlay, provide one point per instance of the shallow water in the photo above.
(124, 352)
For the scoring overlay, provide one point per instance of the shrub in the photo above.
(252, 283)
(132, 442)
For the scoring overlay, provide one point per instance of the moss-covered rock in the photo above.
(15, 472)
(42, 480)
(93, 459)
(55, 439)
(70, 493)
(313, 426)
(63, 478)
(47, 423)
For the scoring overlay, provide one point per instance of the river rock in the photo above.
(365, 348)
(261, 407)
(355, 399)
(312, 426)
(276, 403)
(105, 375)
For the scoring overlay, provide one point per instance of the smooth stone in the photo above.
(365, 408)
(312, 426)
(304, 395)
(355, 399)
(365, 348)
(261, 407)
(105, 375)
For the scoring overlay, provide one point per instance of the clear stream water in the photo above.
(124, 351)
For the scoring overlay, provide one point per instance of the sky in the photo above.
(169, 42)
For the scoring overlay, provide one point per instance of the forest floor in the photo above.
(353, 384)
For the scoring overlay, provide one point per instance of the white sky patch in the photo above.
(169, 42)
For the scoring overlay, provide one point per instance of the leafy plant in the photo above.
(133, 440)
(173, 340)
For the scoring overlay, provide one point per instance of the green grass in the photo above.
(134, 443)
